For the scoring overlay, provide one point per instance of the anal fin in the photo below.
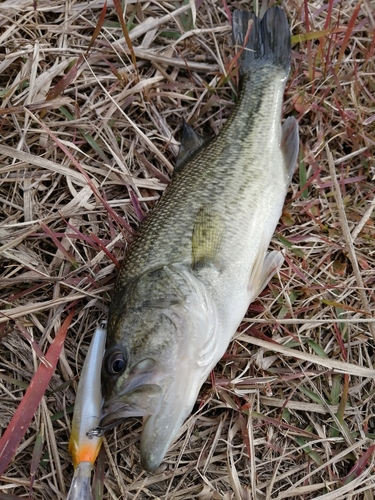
(290, 145)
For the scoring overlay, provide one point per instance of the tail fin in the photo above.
(268, 39)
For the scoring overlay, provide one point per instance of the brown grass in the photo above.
(289, 411)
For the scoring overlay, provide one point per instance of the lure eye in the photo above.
(116, 363)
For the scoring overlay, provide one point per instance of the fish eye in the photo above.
(116, 363)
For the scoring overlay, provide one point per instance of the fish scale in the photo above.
(200, 257)
(225, 176)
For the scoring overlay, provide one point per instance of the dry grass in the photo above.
(289, 411)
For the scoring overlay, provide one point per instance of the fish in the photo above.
(84, 448)
(201, 257)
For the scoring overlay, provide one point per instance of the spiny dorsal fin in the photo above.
(190, 143)
(207, 236)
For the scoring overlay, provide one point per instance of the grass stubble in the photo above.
(87, 147)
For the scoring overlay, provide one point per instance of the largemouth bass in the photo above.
(201, 257)
(84, 449)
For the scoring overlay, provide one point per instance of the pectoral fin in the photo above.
(263, 270)
(207, 236)
(290, 145)
(191, 142)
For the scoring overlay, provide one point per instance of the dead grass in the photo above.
(289, 411)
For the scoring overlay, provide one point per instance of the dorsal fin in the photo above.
(191, 142)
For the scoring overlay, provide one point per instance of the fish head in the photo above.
(161, 349)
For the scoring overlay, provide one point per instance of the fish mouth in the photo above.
(159, 430)
(164, 402)
(163, 412)
(137, 403)
(161, 427)
(138, 396)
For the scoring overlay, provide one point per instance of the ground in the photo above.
(90, 116)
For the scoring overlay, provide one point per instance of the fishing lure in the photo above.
(84, 448)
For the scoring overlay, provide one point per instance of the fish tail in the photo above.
(265, 41)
